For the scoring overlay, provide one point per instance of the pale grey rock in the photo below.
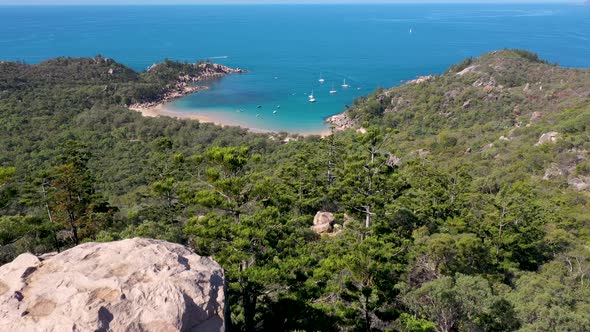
(468, 70)
(580, 183)
(323, 218)
(483, 83)
(341, 121)
(348, 221)
(130, 285)
(398, 104)
(516, 110)
(547, 138)
(553, 172)
(421, 79)
(393, 161)
(536, 116)
(323, 222)
(322, 228)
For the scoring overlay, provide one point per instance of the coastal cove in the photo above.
(287, 49)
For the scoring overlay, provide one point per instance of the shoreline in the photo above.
(183, 86)
(161, 109)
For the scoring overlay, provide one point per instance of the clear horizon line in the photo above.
(471, 2)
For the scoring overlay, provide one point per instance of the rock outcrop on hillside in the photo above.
(548, 138)
(341, 121)
(323, 222)
(129, 285)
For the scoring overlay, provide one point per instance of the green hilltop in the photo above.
(458, 202)
(492, 111)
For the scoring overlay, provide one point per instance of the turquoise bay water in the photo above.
(286, 48)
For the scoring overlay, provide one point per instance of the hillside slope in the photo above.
(459, 203)
(493, 110)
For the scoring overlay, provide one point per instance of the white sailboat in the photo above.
(344, 85)
(321, 80)
(311, 97)
(333, 91)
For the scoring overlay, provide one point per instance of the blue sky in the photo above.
(155, 2)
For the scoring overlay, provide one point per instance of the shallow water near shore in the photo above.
(287, 48)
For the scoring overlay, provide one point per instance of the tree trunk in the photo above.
(73, 227)
(249, 304)
(367, 316)
(50, 217)
(367, 216)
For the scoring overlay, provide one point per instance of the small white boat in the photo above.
(321, 80)
(333, 91)
(311, 98)
(410, 31)
(274, 112)
(344, 85)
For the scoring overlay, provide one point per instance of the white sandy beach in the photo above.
(207, 116)
(162, 110)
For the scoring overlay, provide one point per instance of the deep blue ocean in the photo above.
(286, 48)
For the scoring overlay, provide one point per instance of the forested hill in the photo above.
(506, 86)
(459, 204)
(101, 79)
(493, 110)
(86, 100)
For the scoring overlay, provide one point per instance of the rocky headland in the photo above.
(130, 285)
(185, 83)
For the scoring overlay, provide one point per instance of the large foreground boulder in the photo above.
(129, 285)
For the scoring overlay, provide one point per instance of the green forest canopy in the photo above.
(449, 214)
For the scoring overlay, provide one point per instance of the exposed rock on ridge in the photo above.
(421, 79)
(129, 285)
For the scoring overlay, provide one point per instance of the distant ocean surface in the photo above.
(286, 48)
